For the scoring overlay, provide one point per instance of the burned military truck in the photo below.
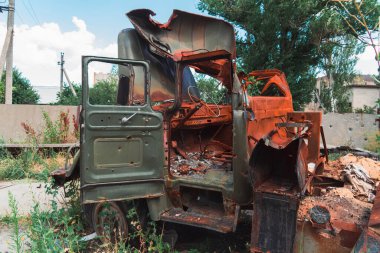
(163, 145)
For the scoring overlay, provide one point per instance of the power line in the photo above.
(30, 13)
(34, 13)
(19, 16)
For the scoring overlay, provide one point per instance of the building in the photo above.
(48, 94)
(99, 76)
(363, 91)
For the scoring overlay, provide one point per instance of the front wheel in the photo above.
(110, 222)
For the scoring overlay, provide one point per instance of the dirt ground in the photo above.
(346, 203)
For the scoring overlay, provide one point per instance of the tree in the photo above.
(364, 14)
(23, 92)
(104, 92)
(287, 35)
(210, 89)
(66, 97)
(338, 63)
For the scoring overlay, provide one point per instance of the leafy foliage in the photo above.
(58, 229)
(287, 35)
(104, 92)
(57, 131)
(66, 97)
(338, 63)
(23, 92)
(61, 227)
(209, 89)
(366, 109)
(361, 17)
(31, 162)
(16, 236)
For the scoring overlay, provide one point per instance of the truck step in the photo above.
(213, 221)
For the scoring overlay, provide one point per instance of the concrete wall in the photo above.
(362, 95)
(350, 129)
(12, 116)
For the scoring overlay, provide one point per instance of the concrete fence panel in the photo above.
(12, 116)
(350, 129)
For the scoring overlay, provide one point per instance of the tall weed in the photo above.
(57, 131)
(16, 244)
(60, 228)
(148, 239)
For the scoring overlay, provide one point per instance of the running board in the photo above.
(212, 221)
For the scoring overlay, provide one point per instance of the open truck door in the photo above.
(121, 136)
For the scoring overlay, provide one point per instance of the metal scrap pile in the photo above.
(352, 200)
(199, 163)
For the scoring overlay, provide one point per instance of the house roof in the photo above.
(358, 80)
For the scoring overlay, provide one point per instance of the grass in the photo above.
(29, 163)
(60, 228)
(373, 143)
(32, 162)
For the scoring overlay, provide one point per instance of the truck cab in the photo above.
(163, 144)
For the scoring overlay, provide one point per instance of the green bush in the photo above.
(366, 109)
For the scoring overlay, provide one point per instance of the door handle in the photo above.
(125, 119)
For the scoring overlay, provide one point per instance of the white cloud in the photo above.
(367, 63)
(37, 51)
(79, 23)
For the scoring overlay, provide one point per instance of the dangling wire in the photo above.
(204, 104)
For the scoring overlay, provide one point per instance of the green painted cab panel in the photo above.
(122, 146)
(118, 152)
(127, 191)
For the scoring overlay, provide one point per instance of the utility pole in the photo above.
(63, 71)
(7, 52)
(61, 63)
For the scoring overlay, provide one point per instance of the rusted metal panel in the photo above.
(374, 220)
(273, 223)
(185, 32)
(220, 114)
(369, 240)
(190, 37)
(313, 240)
(212, 221)
(314, 138)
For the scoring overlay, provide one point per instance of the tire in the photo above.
(110, 222)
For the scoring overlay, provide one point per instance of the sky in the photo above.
(43, 29)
